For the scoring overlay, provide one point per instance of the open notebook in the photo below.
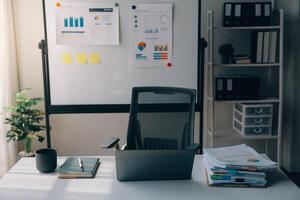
(71, 168)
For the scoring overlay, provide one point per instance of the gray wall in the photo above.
(291, 125)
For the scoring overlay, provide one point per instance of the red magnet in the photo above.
(169, 64)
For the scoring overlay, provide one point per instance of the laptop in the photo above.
(148, 165)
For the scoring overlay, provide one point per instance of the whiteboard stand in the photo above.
(194, 57)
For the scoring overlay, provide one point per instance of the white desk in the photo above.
(24, 182)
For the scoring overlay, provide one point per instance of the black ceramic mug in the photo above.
(46, 160)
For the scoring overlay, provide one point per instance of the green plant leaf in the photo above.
(40, 138)
(24, 119)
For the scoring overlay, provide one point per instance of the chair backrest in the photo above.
(161, 118)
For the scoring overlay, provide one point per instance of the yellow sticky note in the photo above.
(81, 58)
(95, 58)
(67, 59)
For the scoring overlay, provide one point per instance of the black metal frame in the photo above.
(138, 107)
(112, 108)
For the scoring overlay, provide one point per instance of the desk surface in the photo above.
(24, 182)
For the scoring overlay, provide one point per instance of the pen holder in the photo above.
(46, 160)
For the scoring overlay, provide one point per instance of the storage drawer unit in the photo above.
(254, 109)
(253, 119)
(252, 131)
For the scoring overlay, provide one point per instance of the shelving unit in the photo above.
(249, 28)
(249, 65)
(216, 129)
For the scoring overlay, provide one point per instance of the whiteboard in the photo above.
(111, 81)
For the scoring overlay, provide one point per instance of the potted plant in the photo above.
(24, 121)
(226, 51)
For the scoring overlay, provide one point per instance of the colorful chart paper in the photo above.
(151, 35)
(83, 23)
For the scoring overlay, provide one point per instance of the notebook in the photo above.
(72, 169)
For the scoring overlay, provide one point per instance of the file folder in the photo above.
(266, 47)
(259, 50)
(237, 87)
(266, 19)
(273, 47)
(228, 14)
(220, 88)
(258, 14)
(237, 19)
(247, 14)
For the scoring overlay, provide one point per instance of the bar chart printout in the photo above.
(87, 24)
(73, 22)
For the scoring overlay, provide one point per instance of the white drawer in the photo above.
(254, 109)
(252, 121)
(252, 131)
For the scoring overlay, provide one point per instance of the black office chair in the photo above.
(160, 118)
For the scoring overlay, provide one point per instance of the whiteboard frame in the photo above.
(106, 108)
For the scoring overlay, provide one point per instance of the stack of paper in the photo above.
(237, 166)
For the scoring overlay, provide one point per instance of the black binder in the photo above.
(229, 92)
(220, 88)
(267, 10)
(247, 18)
(237, 15)
(228, 14)
(247, 14)
(258, 14)
(237, 87)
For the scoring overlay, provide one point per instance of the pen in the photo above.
(80, 164)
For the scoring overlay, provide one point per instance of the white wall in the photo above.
(71, 134)
(29, 31)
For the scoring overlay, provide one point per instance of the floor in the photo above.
(294, 176)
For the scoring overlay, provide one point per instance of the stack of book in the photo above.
(237, 166)
(241, 59)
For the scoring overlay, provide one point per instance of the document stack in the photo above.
(236, 166)
(241, 59)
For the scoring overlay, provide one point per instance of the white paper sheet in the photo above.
(151, 35)
(87, 24)
(239, 155)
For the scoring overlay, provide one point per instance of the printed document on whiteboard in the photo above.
(151, 31)
(87, 23)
